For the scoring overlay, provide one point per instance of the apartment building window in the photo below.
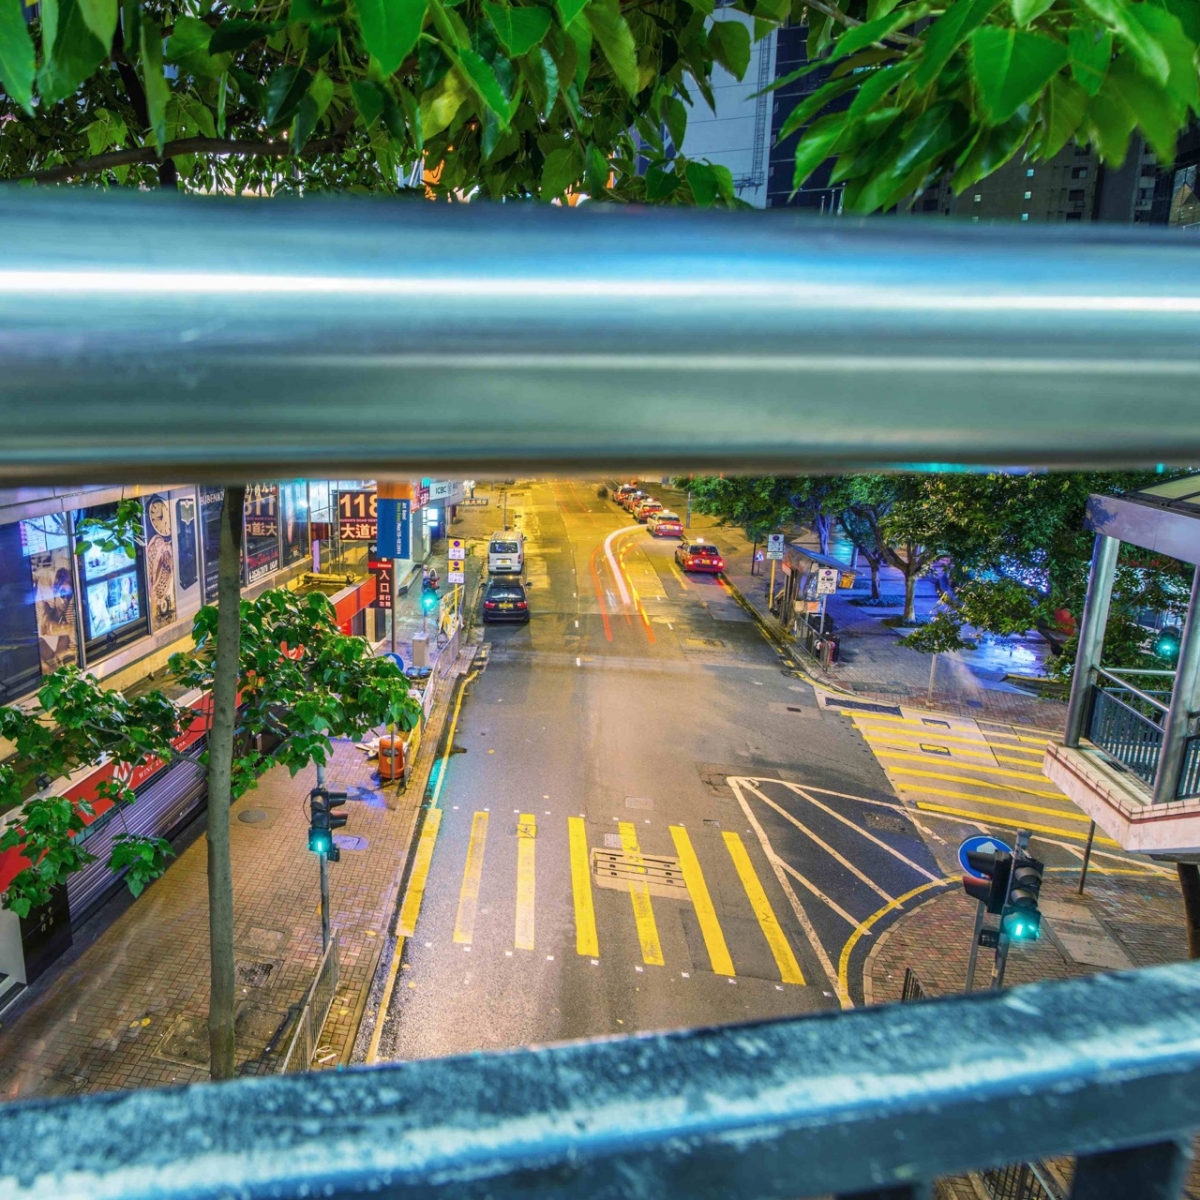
(1029, 173)
(1028, 195)
(1076, 195)
(1079, 172)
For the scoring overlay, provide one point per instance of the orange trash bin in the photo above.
(391, 757)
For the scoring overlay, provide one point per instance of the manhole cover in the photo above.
(186, 1042)
(349, 841)
(644, 802)
(253, 974)
(252, 816)
(257, 942)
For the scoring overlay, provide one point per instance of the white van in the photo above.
(506, 553)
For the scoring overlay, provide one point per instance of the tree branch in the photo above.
(218, 147)
(836, 14)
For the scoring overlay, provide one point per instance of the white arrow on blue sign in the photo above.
(980, 845)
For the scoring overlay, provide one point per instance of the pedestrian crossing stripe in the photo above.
(913, 737)
(963, 766)
(983, 783)
(977, 818)
(710, 927)
(925, 723)
(989, 802)
(526, 833)
(785, 960)
(643, 910)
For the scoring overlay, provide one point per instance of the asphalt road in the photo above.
(622, 845)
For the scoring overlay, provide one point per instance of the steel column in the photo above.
(1185, 699)
(1091, 634)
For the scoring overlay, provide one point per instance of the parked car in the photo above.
(631, 498)
(506, 553)
(644, 510)
(699, 555)
(619, 493)
(505, 600)
(665, 524)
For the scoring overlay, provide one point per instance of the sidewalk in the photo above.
(127, 1005)
(873, 665)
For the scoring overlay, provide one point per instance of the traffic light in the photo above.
(429, 601)
(1166, 644)
(1021, 920)
(322, 821)
(996, 865)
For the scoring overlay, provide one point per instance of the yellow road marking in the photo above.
(988, 802)
(853, 939)
(845, 862)
(468, 897)
(964, 766)
(710, 927)
(411, 908)
(785, 960)
(988, 819)
(462, 691)
(983, 783)
(921, 724)
(526, 833)
(586, 941)
(915, 737)
(643, 912)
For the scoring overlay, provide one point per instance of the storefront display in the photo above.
(211, 501)
(114, 603)
(45, 544)
(160, 562)
(261, 542)
(293, 498)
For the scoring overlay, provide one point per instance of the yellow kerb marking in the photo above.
(526, 832)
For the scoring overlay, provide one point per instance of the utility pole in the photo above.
(324, 861)
(687, 520)
(1022, 848)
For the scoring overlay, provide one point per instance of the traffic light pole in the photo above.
(979, 911)
(1023, 836)
(324, 860)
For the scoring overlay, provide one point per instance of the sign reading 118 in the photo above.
(357, 506)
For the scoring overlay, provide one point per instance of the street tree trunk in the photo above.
(875, 565)
(821, 527)
(220, 794)
(910, 591)
(1189, 884)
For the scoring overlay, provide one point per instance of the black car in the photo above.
(505, 600)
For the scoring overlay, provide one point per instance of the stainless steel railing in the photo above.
(314, 1011)
(1123, 727)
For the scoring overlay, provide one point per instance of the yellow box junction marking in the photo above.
(785, 960)
(526, 833)
(1011, 823)
(468, 897)
(586, 941)
(643, 913)
(710, 927)
(411, 908)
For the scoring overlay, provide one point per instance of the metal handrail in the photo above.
(1128, 687)
(836, 1103)
(314, 1011)
(205, 339)
(1110, 671)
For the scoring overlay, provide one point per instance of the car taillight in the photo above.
(691, 562)
(489, 604)
(720, 564)
(522, 604)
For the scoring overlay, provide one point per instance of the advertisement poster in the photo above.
(160, 562)
(113, 598)
(293, 499)
(186, 551)
(53, 594)
(211, 500)
(261, 543)
(357, 516)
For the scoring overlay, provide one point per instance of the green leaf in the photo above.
(561, 170)
(107, 130)
(1063, 107)
(100, 16)
(1027, 11)
(675, 116)
(568, 10)
(862, 36)
(729, 44)
(519, 29)
(368, 99)
(1183, 82)
(16, 54)
(598, 169)
(580, 33)
(816, 145)
(187, 47)
(390, 29)
(934, 134)
(74, 51)
(481, 76)
(1090, 46)
(412, 112)
(284, 92)
(991, 148)
(1187, 13)
(311, 109)
(1158, 116)
(1110, 121)
(803, 113)
(703, 183)
(154, 82)
(947, 33)
(439, 104)
(238, 33)
(724, 180)
(616, 41)
(660, 184)
(1011, 67)
(1146, 47)
(877, 85)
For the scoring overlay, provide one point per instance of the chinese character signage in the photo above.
(357, 516)
(261, 543)
(382, 571)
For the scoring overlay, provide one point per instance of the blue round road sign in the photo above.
(396, 659)
(980, 845)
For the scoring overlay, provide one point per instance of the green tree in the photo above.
(510, 100)
(958, 88)
(941, 634)
(757, 505)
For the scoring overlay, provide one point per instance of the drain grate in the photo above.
(660, 874)
(186, 1042)
(253, 974)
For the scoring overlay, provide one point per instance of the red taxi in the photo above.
(699, 556)
(665, 524)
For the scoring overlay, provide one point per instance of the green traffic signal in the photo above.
(1166, 645)
(429, 601)
(1022, 925)
(320, 841)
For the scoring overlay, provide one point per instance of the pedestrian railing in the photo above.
(318, 1000)
(1021, 1181)
(1189, 773)
(870, 1103)
(1123, 725)
(913, 989)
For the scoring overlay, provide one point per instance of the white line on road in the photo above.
(612, 561)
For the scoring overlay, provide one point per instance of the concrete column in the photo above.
(1185, 700)
(1091, 634)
